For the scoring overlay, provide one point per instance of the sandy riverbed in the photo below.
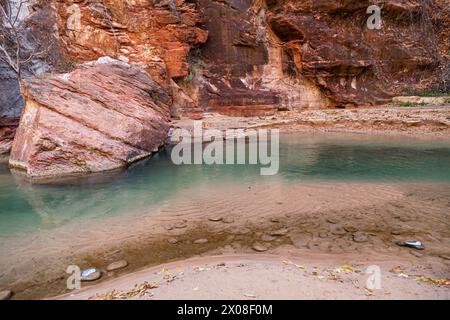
(295, 219)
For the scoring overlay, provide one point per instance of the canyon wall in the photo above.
(287, 54)
(255, 57)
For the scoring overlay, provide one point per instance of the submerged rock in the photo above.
(332, 220)
(215, 218)
(104, 115)
(228, 220)
(268, 238)
(416, 254)
(360, 237)
(337, 230)
(259, 247)
(201, 241)
(279, 232)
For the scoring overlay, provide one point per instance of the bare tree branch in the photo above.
(12, 41)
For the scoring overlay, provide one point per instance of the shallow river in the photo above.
(382, 186)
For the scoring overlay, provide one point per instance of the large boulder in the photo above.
(102, 116)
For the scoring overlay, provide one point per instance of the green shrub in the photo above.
(412, 104)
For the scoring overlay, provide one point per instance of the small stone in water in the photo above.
(267, 238)
(323, 234)
(360, 237)
(350, 229)
(216, 218)
(5, 295)
(117, 265)
(91, 274)
(181, 225)
(259, 247)
(201, 241)
(279, 232)
(415, 253)
(337, 230)
(228, 220)
(332, 220)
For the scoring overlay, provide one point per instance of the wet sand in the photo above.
(351, 221)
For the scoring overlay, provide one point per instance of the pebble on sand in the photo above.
(91, 274)
(259, 247)
(201, 241)
(5, 295)
(117, 265)
(215, 218)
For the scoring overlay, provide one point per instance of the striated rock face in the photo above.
(287, 54)
(240, 69)
(156, 34)
(102, 116)
(330, 44)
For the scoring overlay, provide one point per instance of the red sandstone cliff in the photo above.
(247, 57)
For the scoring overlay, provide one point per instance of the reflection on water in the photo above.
(25, 206)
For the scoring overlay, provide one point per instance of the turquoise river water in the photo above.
(148, 183)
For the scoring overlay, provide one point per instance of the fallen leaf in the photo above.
(443, 282)
(347, 268)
